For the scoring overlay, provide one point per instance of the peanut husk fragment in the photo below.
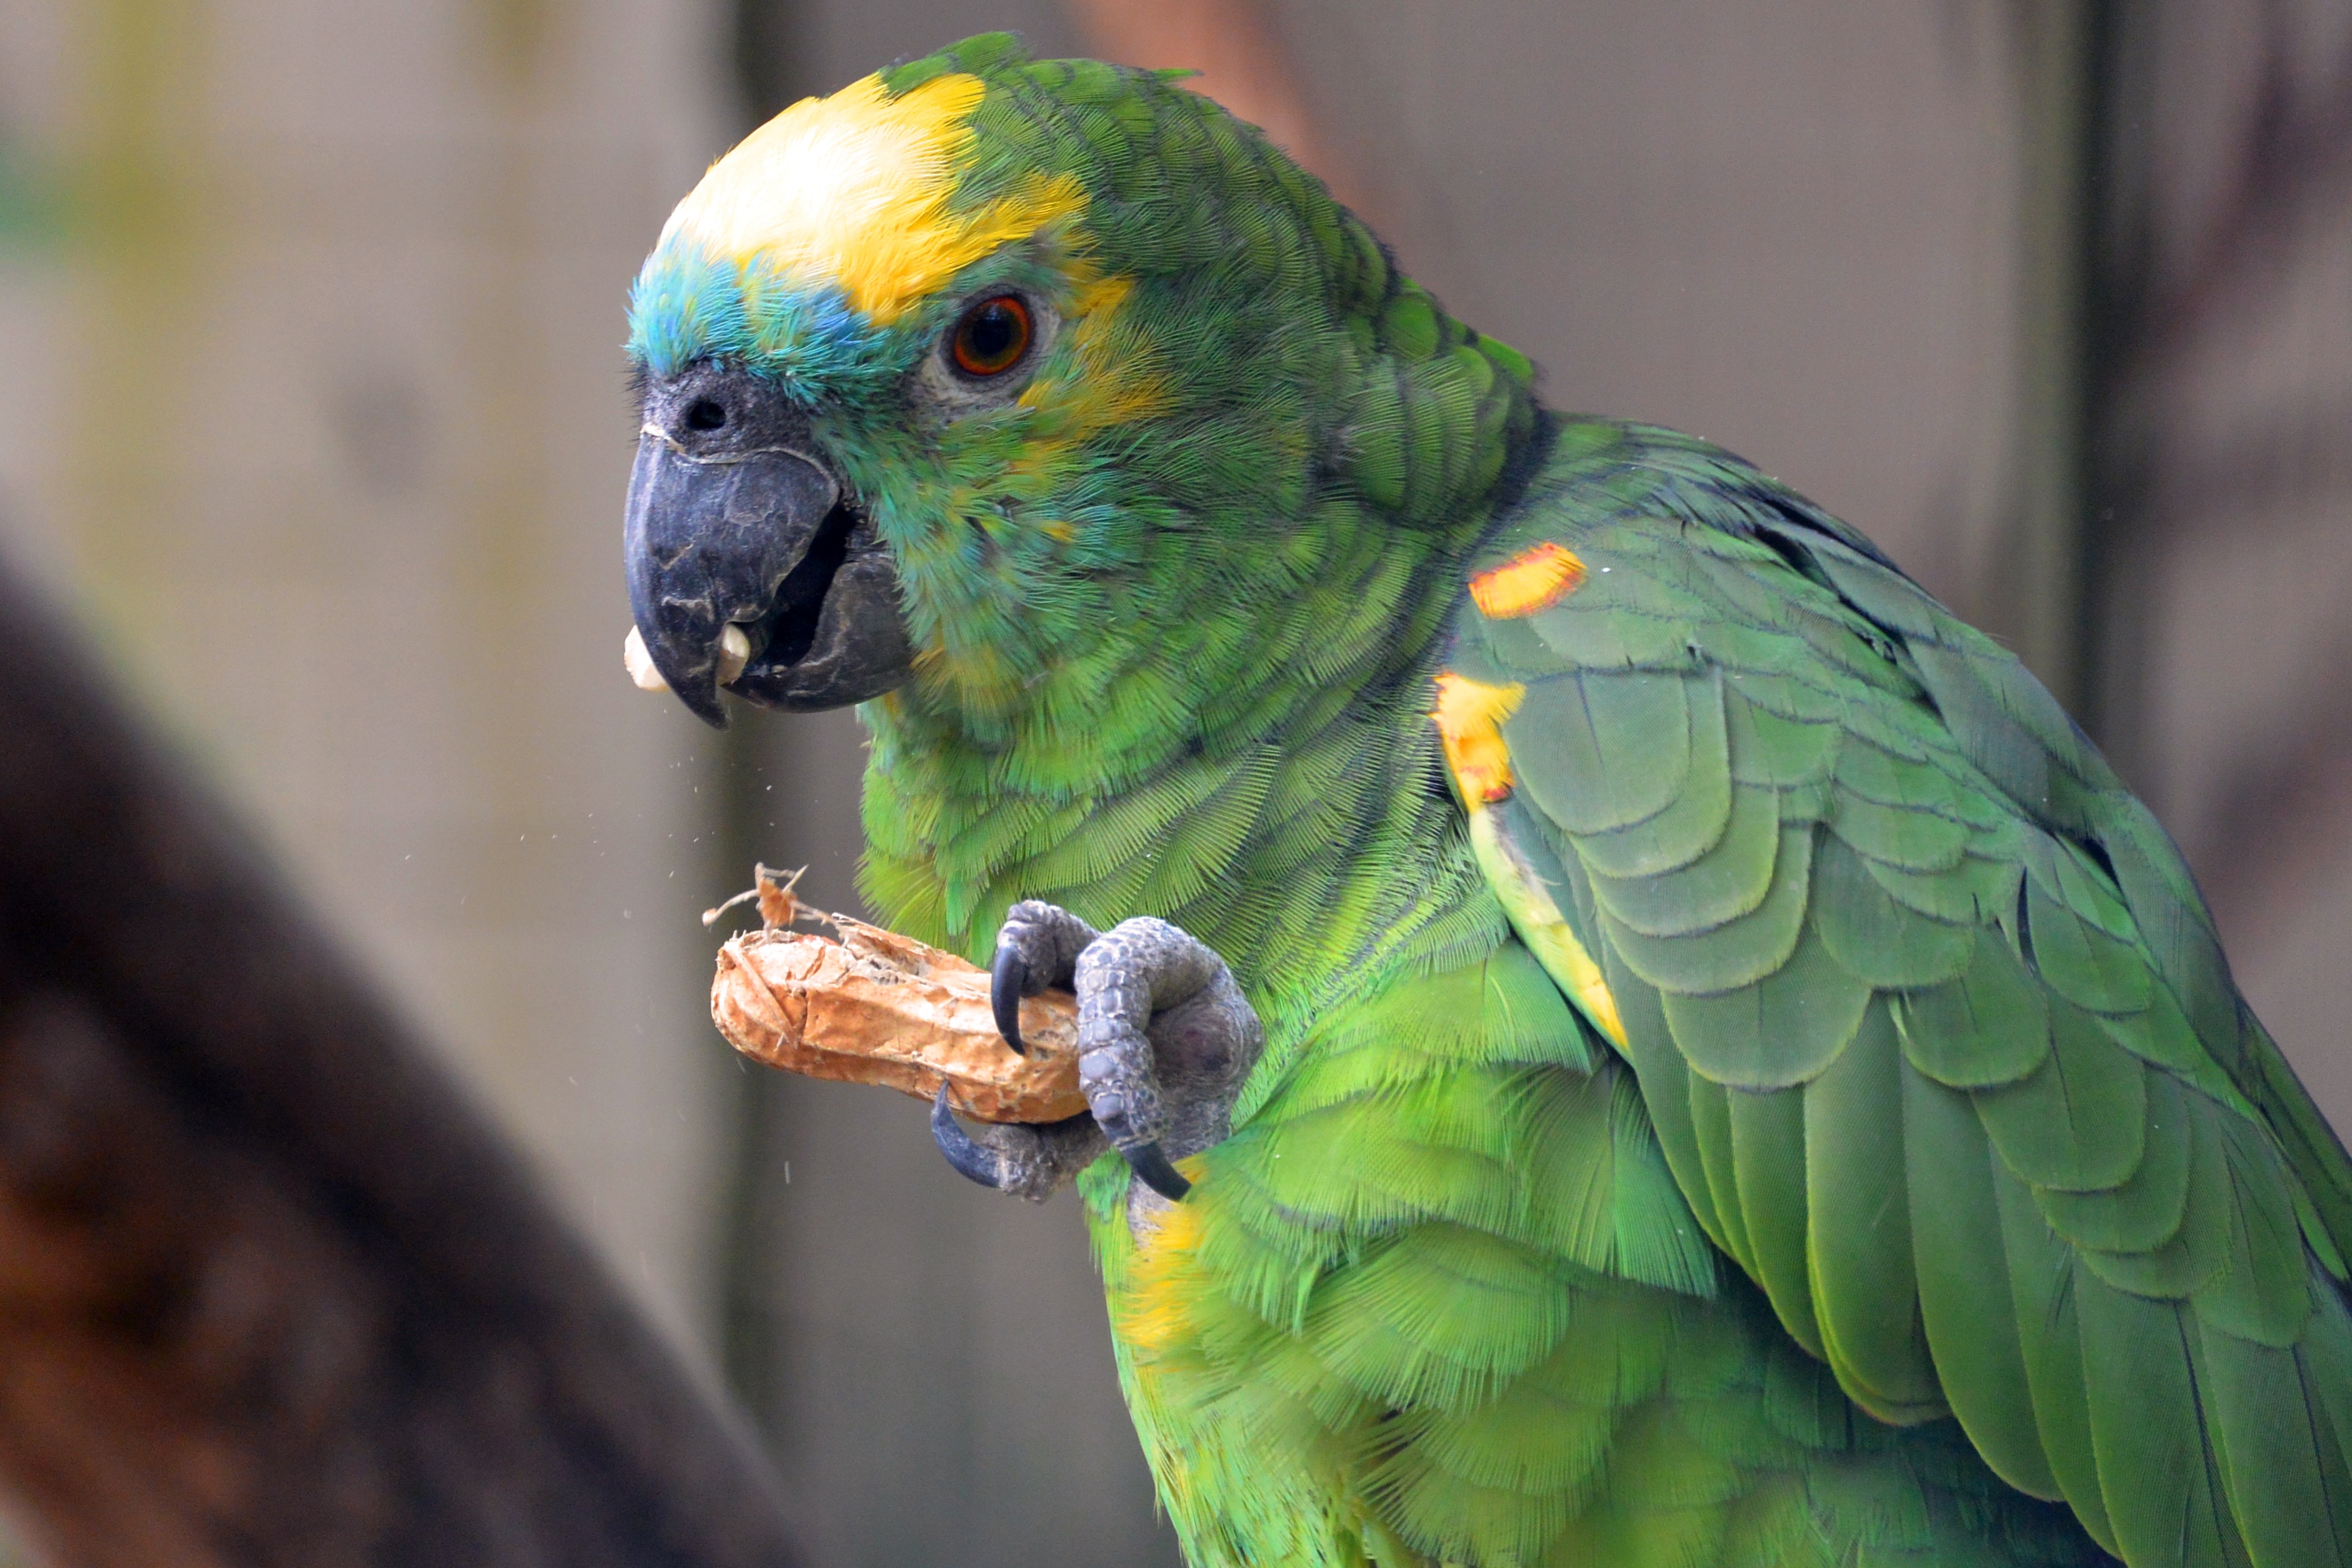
(878, 1007)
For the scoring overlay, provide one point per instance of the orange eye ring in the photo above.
(992, 337)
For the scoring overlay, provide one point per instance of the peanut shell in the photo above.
(878, 1007)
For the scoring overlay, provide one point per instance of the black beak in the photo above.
(763, 541)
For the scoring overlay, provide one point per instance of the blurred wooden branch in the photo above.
(1242, 66)
(270, 1291)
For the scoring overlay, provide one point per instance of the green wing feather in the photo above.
(1932, 1028)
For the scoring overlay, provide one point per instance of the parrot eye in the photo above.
(991, 337)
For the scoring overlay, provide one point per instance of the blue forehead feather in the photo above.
(689, 304)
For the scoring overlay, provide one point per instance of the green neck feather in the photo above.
(1240, 744)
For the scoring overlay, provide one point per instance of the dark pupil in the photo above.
(992, 333)
(704, 414)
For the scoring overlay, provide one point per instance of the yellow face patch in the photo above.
(853, 190)
(1469, 721)
(1535, 580)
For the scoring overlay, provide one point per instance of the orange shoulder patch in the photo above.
(1536, 579)
(1470, 723)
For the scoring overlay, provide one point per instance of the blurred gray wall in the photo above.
(2223, 483)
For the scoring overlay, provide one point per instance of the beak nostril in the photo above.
(703, 413)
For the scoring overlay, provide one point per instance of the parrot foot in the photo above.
(1165, 1036)
(1028, 1162)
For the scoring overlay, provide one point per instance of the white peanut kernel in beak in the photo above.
(641, 664)
(734, 653)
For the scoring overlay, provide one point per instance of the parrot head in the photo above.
(996, 385)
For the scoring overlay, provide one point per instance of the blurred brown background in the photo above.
(311, 409)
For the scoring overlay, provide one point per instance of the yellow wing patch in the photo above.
(853, 189)
(1542, 926)
(1535, 580)
(1470, 723)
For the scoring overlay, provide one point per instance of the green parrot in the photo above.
(1616, 1030)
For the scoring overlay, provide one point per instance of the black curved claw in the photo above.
(971, 1161)
(1148, 1162)
(1008, 976)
